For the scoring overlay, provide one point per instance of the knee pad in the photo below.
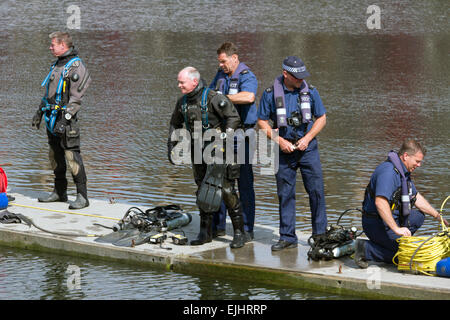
(51, 157)
(74, 166)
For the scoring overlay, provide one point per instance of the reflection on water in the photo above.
(379, 87)
(50, 277)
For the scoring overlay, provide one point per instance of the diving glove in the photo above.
(36, 122)
(170, 146)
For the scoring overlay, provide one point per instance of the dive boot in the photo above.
(239, 238)
(218, 233)
(205, 234)
(250, 235)
(53, 197)
(79, 203)
(360, 254)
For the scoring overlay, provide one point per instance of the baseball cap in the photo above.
(296, 67)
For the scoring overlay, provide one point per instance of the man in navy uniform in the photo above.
(387, 206)
(235, 80)
(291, 104)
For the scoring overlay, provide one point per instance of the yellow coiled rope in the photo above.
(421, 254)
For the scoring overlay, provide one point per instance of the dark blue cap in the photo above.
(296, 67)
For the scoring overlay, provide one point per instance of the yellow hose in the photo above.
(423, 253)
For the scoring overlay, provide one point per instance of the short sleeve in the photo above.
(264, 110)
(385, 184)
(248, 82)
(318, 109)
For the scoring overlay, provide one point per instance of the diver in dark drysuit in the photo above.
(65, 86)
(218, 113)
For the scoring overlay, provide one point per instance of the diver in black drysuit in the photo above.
(223, 116)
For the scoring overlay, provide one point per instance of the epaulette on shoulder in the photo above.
(311, 86)
(269, 89)
(244, 71)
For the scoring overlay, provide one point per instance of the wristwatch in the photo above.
(68, 116)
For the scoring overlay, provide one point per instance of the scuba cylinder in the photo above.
(153, 225)
(443, 268)
(182, 220)
(344, 250)
(168, 217)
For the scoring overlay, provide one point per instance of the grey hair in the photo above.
(192, 73)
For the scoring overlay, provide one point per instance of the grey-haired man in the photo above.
(215, 112)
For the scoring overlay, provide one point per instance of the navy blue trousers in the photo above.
(382, 245)
(311, 170)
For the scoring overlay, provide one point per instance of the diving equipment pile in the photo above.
(9, 217)
(150, 226)
(336, 242)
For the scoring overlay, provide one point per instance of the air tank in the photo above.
(346, 249)
(181, 221)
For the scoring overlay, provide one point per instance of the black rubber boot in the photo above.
(79, 203)
(218, 233)
(59, 193)
(205, 234)
(239, 238)
(54, 197)
(360, 254)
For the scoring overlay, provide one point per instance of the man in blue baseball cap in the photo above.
(295, 67)
(298, 114)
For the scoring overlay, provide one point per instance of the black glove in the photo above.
(36, 122)
(170, 146)
(60, 126)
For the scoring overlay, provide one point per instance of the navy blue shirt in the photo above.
(247, 82)
(384, 182)
(267, 110)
